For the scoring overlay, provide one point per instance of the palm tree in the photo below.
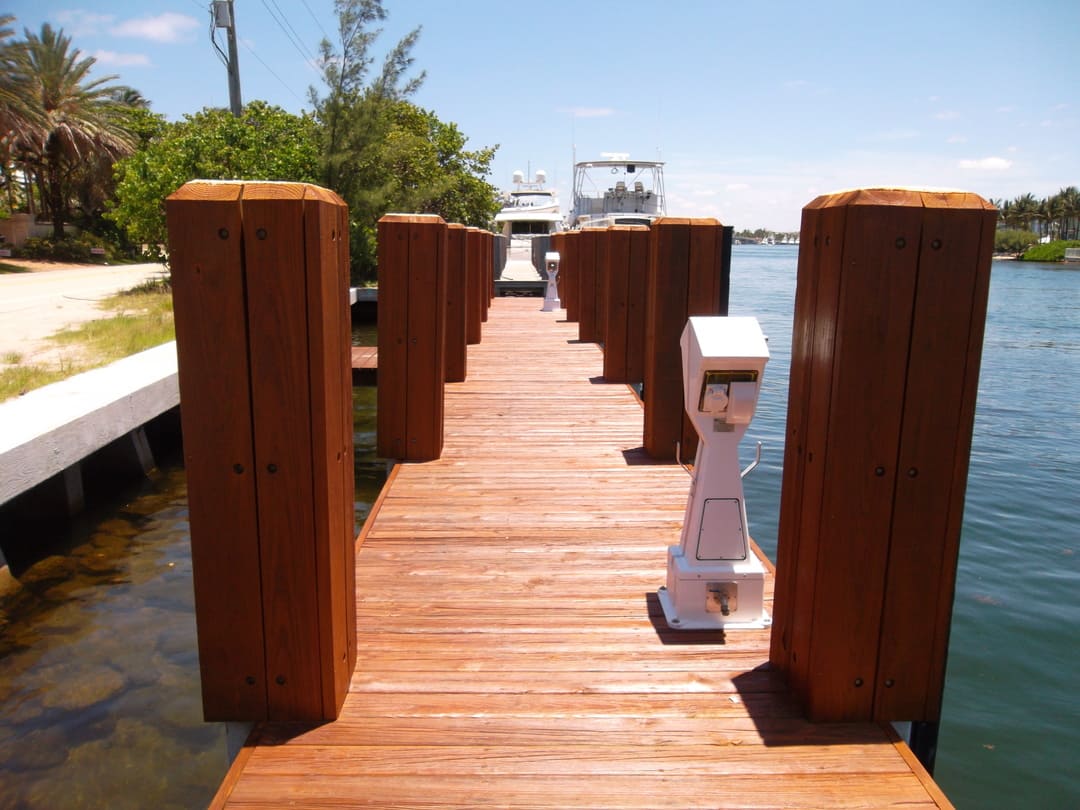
(16, 116)
(12, 112)
(1002, 206)
(129, 97)
(1024, 210)
(73, 117)
(1069, 210)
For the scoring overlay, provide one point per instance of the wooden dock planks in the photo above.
(511, 651)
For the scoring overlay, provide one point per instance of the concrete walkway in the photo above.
(51, 429)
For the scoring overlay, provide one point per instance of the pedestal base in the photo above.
(713, 596)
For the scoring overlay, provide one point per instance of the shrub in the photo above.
(1050, 252)
(78, 249)
(1013, 241)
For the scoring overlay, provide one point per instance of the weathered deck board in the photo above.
(365, 365)
(511, 651)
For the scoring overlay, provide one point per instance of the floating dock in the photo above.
(511, 648)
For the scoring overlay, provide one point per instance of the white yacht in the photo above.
(617, 191)
(529, 210)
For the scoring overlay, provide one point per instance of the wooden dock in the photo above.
(365, 365)
(511, 650)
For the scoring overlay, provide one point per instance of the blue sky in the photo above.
(756, 107)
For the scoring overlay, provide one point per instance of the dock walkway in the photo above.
(511, 649)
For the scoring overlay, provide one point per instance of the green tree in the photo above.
(72, 119)
(264, 143)
(423, 167)
(381, 152)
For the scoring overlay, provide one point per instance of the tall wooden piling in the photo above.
(457, 289)
(586, 262)
(489, 270)
(625, 275)
(689, 274)
(475, 305)
(412, 336)
(260, 288)
(889, 314)
(569, 276)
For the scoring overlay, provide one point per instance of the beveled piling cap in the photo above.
(913, 197)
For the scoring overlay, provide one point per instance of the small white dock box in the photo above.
(713, 579)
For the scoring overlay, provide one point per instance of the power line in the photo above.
(271, 72)
(316, 19)
(290, 32)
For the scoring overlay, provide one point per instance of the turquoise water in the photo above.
(99, 679)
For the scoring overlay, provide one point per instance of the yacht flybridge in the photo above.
(617, 191)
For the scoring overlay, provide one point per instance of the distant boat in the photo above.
(617, 191)
(529, 210)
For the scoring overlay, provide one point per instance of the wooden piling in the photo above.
(569, 275)
(889, 314)
(476, 296)
(689, 274)
(585, 257)
(489, 270)
(625, 274)
(412, 336)
(260, 289)
(457, 289)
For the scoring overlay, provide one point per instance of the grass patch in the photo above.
(12, 268)
(141, 319)
(17, 380)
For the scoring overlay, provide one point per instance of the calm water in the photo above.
(1010, 731)
(98, 671)
(99, 675)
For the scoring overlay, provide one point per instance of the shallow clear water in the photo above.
(98, 669)
(100, 703)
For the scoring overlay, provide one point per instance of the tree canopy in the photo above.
(86, 144)
(263, 143)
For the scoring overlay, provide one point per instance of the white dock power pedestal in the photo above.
(714, 580)
(551, 294)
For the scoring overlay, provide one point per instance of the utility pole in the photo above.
(223, 16)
